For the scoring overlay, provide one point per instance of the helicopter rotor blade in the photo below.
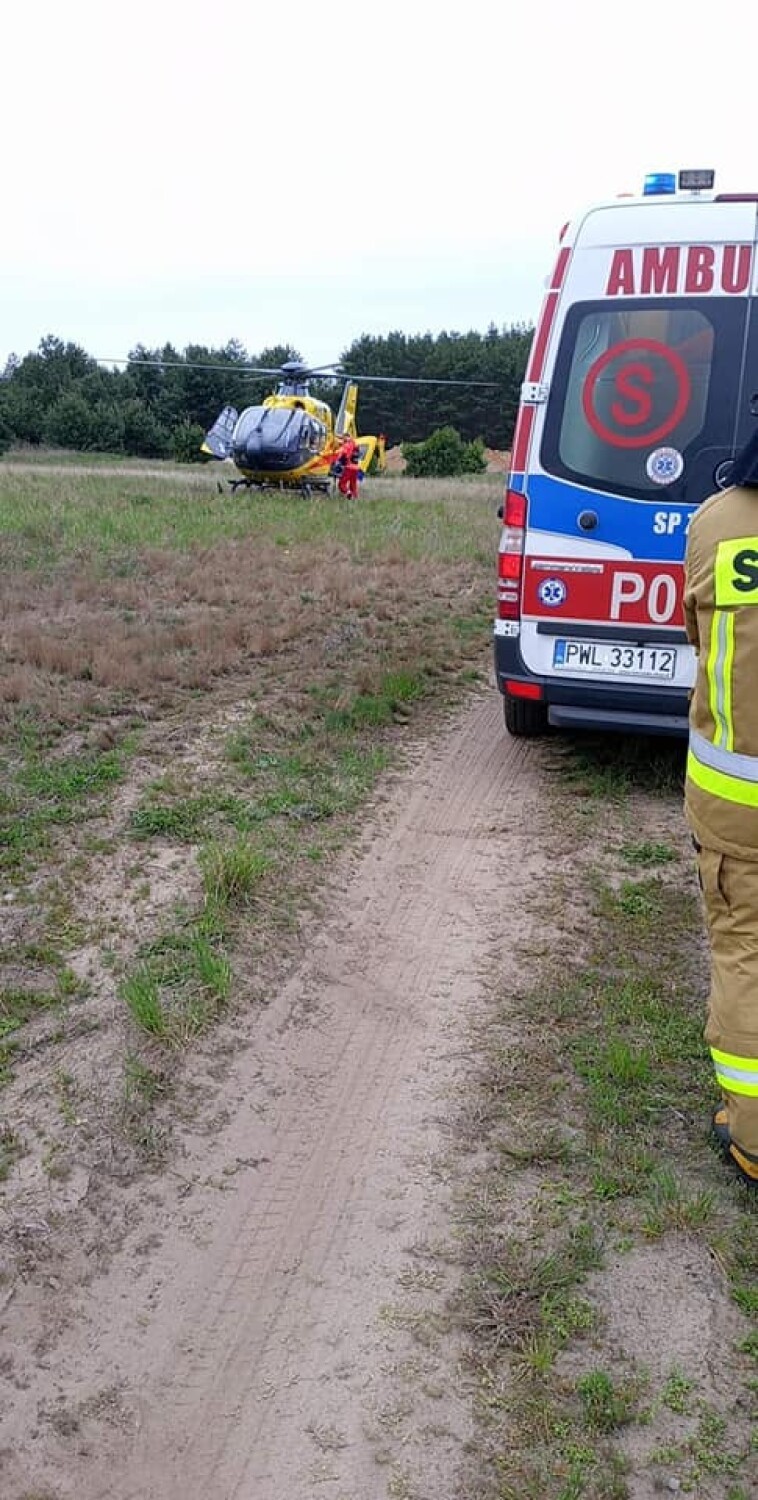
(325, 372)
(233, 367)
(412, 380)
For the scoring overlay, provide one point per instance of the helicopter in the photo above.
(291, 440)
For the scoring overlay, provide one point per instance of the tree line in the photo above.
(61, 396)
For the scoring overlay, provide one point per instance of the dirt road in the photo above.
(275, 1324)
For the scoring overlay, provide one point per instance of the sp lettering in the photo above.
(671, 522)
(736, 572)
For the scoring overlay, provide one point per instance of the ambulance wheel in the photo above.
(524, 718)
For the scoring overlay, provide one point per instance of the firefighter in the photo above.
(721, 615)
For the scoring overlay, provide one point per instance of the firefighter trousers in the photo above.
(730, 892)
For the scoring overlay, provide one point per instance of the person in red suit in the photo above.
(347, 467)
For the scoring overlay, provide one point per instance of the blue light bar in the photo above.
(659, 182)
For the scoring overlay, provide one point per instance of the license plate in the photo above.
(618, 661)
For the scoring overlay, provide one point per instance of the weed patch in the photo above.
(11, 1148)
(177, 988)
(50, 987)
(186, 819)
(371, 710)
(144, 1087)
(233, 873)
(45, 793)
(509, 1298)
(647, 852)
(607, 767)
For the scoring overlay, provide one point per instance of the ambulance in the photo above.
(641, 385)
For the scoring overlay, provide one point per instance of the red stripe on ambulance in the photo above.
(525, 419)
(521, 436)
(547, 316)
(633, 593)
(560, 269)
(661, 270)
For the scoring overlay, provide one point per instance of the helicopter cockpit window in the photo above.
(276, 420)
(281, 428)
(248, 423)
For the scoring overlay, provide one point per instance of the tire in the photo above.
(524, 718)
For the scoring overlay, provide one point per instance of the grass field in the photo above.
(120, 591)
(210, 680)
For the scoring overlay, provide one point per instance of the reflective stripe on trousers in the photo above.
(738, 1075)
(730, 894)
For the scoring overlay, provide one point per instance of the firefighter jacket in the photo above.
(721, 616)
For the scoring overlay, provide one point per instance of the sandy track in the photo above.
(283, 1334)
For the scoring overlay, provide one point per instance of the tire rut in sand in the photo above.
(296, 1337)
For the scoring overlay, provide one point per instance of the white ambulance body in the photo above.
(640, 386)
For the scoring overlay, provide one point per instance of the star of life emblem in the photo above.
(552, 592)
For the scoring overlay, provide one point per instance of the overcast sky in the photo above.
(304, 173)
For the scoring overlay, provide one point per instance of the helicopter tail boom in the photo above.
(345, 423)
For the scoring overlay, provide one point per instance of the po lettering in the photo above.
(659, 595)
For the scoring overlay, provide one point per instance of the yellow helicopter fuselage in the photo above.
(291, 440)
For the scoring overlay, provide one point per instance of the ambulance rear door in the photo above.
(649, 373)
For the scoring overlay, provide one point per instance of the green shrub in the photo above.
(187, 438)
(143, 434)
(444, 454)
(69, 423)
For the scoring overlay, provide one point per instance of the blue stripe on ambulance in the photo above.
(646, 529)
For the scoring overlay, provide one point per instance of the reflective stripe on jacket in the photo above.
(721, 614)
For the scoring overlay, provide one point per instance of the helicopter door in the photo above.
(218, 442)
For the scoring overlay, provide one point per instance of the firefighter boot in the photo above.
(747, 1166)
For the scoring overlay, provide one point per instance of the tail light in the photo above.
(511, 557)
(515, 688)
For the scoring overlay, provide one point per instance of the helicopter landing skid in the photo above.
(304, 488)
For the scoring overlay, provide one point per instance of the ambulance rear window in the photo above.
(642, 392)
